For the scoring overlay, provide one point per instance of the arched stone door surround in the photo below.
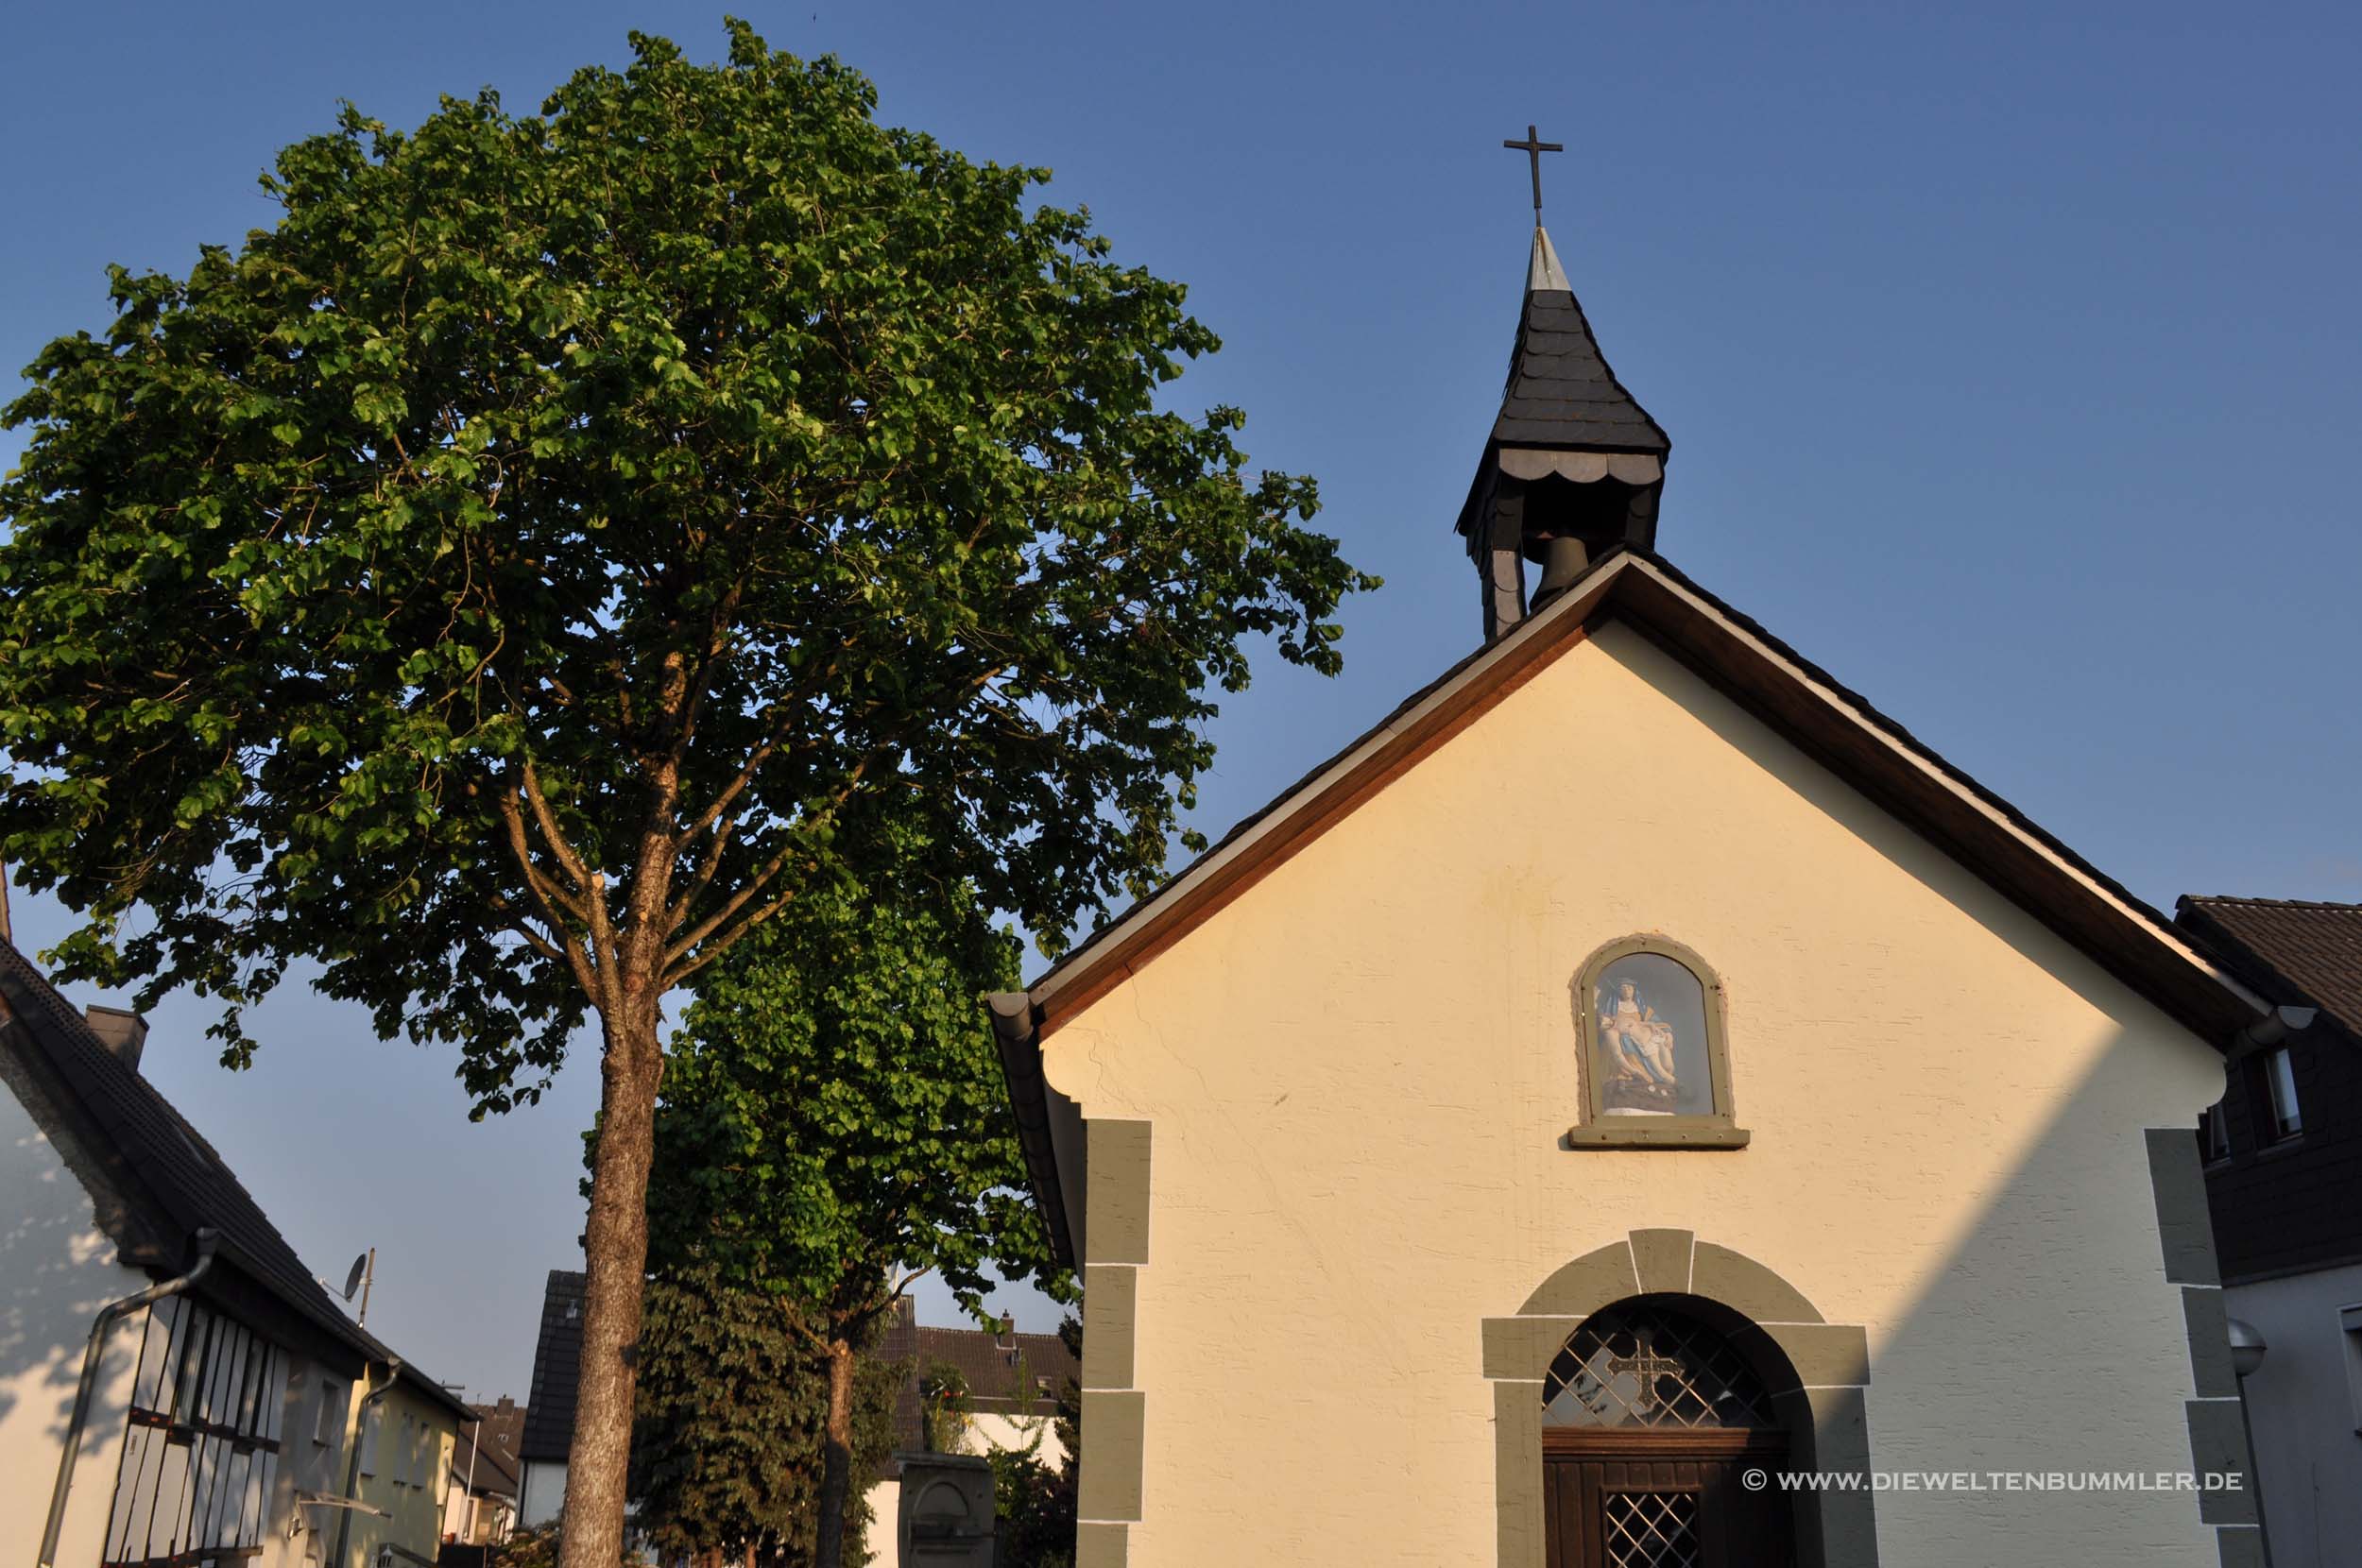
(1818, 1370)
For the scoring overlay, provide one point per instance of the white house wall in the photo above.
(990, 1429)
(1359, 1073)
(57, 1269)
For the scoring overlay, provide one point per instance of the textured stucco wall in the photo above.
(1358, 1074)
(308, 1464)
(412, 1505)
(57, 1269)
(2304, 1402)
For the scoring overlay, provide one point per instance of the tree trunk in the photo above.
(616, 1254)
(836, 1456)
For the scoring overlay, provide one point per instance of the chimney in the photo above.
(125, 1034)
(1006, 1331)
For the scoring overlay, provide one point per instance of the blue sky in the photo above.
(2009, 354)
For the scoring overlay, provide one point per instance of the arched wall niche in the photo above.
(1652, 1049)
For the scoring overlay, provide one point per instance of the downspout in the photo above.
(352, 1460)
(206, 1239)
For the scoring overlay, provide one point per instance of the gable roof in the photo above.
(549, 1426)
(2294, 949)
(486, 1463)
(1835, 726)
(159, 1181)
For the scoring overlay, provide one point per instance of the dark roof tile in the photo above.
(549, 1423)
(1561, 392)
(171, 1182)
(2294, 949)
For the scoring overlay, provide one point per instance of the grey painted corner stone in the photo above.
(2239, 1546)
(1517, 1473)
(1115, 1175)
(2184, 1227)
(2211, 1372)
(1822, 1355)
(1110, 1315)
(2218, 1446)
(1747, 1287)
(1585, 1285)
(1838, 1421)
(1661, 1258)
(1111, 1483)
(1100, 1545)
(1519, 1347)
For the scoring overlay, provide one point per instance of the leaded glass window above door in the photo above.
(1641, 1365)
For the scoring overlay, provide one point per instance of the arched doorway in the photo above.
(1659, 1442)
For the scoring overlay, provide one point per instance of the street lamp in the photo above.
(2247, 1347)
(2247, 1356)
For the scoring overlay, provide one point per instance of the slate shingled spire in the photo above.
(1573, 464)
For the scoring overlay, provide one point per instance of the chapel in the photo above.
(1785, 1158)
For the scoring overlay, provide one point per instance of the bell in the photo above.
(1564, 560)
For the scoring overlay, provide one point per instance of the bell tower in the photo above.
(1574, 465)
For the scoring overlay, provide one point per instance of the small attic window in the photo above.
(1656, 1072)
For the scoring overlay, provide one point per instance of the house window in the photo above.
(372, 1422)
(1649, 1022)
(328, 1422)
(2213, 1133)
(2349, 1337)
(2278, 1098)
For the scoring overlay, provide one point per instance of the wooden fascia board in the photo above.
(1902, 778)
(1334, 793)
(2134, 945)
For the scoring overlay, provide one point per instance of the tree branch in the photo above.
(544, 892)
(558, 844)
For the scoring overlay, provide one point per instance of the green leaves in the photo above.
(833, 1112)
(755, 475)
(727, 1436)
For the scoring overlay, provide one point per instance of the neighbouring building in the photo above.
(549, 1423)
(480, 1505)
(2284, 1177)
(234, 1408)
(1013, 1382)
(1636, 1070)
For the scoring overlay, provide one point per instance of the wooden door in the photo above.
(1665, 1499)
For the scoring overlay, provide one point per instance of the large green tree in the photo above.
(834, 1125)
(515, 575)
(732, 1402)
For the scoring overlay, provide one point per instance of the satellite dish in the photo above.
(352, 1276)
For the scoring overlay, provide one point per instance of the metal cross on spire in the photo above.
(1533, 149)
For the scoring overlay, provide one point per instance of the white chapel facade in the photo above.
(1787, 1103)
